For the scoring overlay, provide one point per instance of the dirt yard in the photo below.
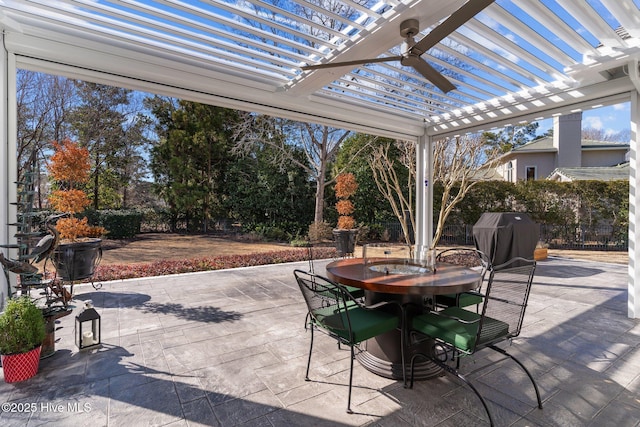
(158, 246)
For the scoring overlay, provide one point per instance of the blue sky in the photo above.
(611, 119)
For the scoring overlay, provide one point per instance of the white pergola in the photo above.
(515, 61)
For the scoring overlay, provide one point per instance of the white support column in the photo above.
(4, 169)
(8, 159)
(424, 194)
(633, 304)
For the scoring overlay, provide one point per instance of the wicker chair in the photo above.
(457, 332)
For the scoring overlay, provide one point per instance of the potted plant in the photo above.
(79, 247)
(345, 233)
(541, 251)
(22, 330)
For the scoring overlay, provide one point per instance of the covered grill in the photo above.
(505, 235)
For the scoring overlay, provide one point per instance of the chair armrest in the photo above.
(456, 318)
(379, 304)
(475, 293)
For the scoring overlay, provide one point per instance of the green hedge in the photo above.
(121, 224)
(547, 202)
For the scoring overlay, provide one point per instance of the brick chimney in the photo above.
(567, 139)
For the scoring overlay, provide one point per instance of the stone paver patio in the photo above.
(229, 348)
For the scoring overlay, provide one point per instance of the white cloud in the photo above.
(594, 122)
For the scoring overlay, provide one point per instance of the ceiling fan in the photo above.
(412, 50)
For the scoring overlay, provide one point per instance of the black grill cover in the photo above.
(505, 235)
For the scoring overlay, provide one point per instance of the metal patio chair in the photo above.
(468, 257)
(356, 292)
(457, 332)
(335, 311)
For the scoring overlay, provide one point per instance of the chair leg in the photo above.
(306, 377)
(353, 356)
(472, 387)
(403, 340)
(535, 386)
(413, 361)
(453, 371)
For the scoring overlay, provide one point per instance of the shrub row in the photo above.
(121, 224)
(166, 267)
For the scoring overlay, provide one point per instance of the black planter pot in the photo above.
(345, 241)
(77, 260)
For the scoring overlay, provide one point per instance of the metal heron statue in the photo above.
(16, 266)
(47, 244)
(43, 251)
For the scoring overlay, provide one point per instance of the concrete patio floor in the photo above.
(228, 348)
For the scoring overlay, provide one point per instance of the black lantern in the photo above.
(88, 328)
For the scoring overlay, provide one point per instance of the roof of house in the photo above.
(605, 173)
(589, 144)
(546, 145)
(537, 145)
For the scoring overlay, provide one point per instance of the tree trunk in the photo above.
(320, 184)
(319, 211)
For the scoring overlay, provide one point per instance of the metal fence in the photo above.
(601, 237)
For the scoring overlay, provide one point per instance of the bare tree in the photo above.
(600, 134)
(43, 103)
(398, 190)
(459, 164)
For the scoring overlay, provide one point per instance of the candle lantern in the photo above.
(87, 328)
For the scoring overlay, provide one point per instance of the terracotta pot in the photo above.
(540, 253)
(21, 366)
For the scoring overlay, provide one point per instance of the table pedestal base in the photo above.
(381, 354)
(423, 370)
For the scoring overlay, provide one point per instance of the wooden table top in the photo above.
(448, 279)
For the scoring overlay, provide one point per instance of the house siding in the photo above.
(598, 158)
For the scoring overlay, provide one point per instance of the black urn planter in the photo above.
(345, 241)
(77, 260)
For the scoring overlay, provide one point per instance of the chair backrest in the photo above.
(310, 257)
(326, 302)
(469, 257)
(505, 300)
(319, 251)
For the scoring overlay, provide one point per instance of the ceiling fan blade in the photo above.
(452, 23)
(429, 73)
(348, 63)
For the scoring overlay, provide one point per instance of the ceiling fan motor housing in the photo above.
(409, 28)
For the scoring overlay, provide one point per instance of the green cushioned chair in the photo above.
(457, 332)
(335, 311)
(468, 257)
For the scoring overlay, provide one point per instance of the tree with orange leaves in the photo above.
(345, 187)
(69, 168)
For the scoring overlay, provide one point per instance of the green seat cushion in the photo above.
(355, 292)
(365, 323)
(465, 300)
(461, 335)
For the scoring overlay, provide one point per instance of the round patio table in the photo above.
(404, 282)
